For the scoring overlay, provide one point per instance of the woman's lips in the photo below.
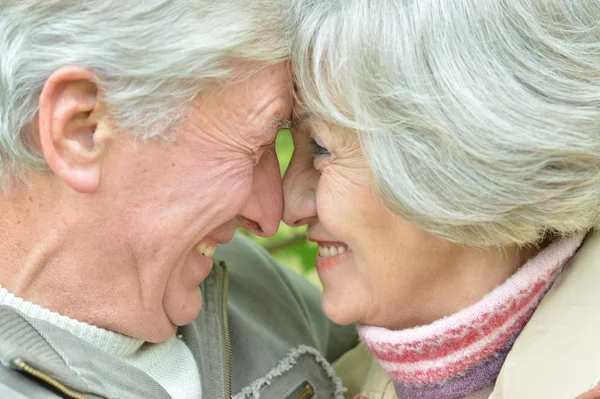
(331, 253)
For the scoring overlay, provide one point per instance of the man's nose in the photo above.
(299, 193)
(262, 213)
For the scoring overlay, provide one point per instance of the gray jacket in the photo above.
(261, 333)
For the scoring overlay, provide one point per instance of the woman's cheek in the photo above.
(332, 205)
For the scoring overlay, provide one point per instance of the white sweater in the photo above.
(170, 363)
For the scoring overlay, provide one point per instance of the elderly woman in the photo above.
(447, 163)
(135, 137)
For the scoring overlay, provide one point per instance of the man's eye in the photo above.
(318, 150)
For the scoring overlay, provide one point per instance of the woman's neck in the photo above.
(463, 352)
(469, 274)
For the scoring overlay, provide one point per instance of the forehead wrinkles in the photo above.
(262, 136)
(273, 125)
(266, 131)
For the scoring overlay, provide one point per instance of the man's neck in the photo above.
(54, 259)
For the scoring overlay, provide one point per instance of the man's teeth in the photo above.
(331, 250)
(205, 249)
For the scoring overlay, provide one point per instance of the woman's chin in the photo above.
(336, 311)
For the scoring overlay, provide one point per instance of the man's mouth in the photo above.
(206, 247)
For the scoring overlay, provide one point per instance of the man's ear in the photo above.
(72, 126)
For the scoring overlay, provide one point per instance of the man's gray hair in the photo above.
(481, 119)
(151, 57)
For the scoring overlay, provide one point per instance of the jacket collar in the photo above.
(89, 370)
(69, 360)
(557, 354)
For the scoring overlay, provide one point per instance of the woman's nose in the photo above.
(299, 193)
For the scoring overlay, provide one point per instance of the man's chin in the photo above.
(162, 334)
(185, 309)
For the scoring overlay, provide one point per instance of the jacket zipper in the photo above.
(306, 393)
(20, 365)
(226, 328)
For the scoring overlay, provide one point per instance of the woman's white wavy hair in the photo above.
(481, 120)
(152, 57)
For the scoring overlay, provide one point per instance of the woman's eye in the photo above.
(318, 150)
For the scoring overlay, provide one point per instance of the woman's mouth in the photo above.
(332, 249)
(331, 253)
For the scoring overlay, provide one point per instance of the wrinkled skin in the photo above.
(109, 236)
(393, 274)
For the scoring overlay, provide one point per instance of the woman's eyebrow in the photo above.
(301, 119)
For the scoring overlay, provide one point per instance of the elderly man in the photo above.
(135, 137)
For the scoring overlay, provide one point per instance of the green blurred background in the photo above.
(289, 245)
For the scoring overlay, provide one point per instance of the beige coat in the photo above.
(557, 356)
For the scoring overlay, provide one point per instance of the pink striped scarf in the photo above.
(461, 354)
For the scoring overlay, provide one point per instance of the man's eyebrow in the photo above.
(285, 123)
(276, 120)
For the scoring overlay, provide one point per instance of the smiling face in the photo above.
(376, 268)
(172, 203)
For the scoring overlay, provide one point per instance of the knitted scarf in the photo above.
(461, 354)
